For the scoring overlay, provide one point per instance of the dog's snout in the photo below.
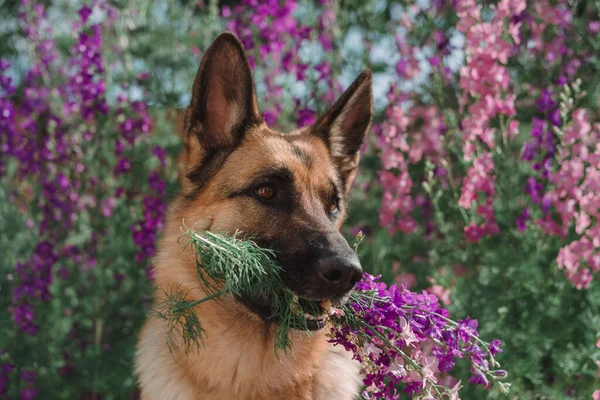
(341, 273)
(321, 267)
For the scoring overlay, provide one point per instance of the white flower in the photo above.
(396, 368)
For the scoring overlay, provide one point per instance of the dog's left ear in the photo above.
(344, 126)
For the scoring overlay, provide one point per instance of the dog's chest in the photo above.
(243, 369)
(313, 370)
(334, 375)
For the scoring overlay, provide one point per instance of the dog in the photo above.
(289, 191)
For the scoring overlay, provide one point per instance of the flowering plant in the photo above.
(76, 171)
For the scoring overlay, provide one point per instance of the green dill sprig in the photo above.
(182, 321)
(232, 265)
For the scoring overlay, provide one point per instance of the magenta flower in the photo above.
(402, 337)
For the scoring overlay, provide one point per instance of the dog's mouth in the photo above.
(314, 313)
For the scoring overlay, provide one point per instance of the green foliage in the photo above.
(227, 265)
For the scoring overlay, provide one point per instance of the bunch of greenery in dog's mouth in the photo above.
(234, 265)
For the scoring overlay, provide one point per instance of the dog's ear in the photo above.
(344, 126)
(223, 109)
(223, 105)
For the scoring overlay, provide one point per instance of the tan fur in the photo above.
(237, 360)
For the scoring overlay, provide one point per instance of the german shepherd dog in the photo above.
(289, 191)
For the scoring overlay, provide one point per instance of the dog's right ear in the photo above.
(223, 106)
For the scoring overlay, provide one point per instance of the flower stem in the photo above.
(207, 298)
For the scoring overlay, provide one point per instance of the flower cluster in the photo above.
(509, 172)
(405, 139)
(479, 179)
(403, 336)
(541, 148)
(35, 277)
(485, 78)
(574, 196)
(5, 371)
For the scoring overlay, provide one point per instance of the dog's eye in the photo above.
(264, 192)
(334, 207)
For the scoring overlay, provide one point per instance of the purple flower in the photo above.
(270, 116)
(495, 347)
(27, 376)
(479, 379)
(522, 220)
(474, 232)
(156, 183)
(467, 329)
(545, 102)
(123, 165)
(160, 153)
(534, 189)
(306, 116)
(407, 320)
(84, 12)
(413, 388)
(546, 203)
(554, 117)
(324, 69)
(5, 371)
(23, 317)
(28, 394)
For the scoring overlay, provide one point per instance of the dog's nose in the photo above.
(341, 273)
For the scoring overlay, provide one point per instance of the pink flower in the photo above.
(473, 233)
(513, 128)
(396, 368)
(454, 391)
(371, 349)
(441, 293)
(407, 334)
(459, 270)
(407, 279)
(336, 312)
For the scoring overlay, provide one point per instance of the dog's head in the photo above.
(289, 192)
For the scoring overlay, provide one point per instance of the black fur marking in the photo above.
(204, 172)
(302, 155)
